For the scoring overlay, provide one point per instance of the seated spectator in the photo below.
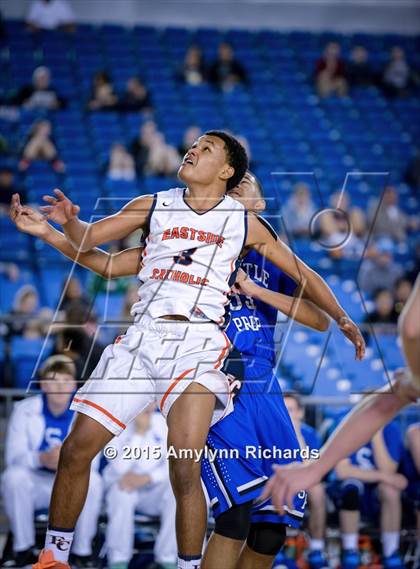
(308, 437)
(193, 71)
(36, 430)
(50, 15)
(190, 136)
(389, 220)
(152, 155)
(226, 72)
(121, 164)
(383, 317)
(411, 469)
(396, 75)
(40, 95)
(380, 270)
(359, 72)
(136, 97)
(402, 291)
(343, 228)
(11, 270)
(140, 483)
(40, 145)
(103, 97)
(8, 188)
(25, 307)
(83, 350)
(330, 74)
(298, 211)
(365, 478)
(72, 292)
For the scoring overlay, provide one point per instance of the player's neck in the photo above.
(203, 198)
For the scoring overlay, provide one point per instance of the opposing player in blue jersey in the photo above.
(259, 429)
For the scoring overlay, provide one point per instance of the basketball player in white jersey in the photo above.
(370, 415)
(176, 347)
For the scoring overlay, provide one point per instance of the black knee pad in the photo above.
(266, 538)
(235, 523)
(350, 497)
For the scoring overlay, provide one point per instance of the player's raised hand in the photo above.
(244, 285)
(352, 332)
(27, 219)
(61, 209)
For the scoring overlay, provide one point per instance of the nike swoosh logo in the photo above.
(165, 204)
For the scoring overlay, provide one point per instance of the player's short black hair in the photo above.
(236, 156)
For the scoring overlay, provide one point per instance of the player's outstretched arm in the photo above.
(409, 325)
(85, 236)
(109, 266)
(303, 311)
(314, 287)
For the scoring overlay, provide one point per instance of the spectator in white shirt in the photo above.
(138, 480)
(37, 427)
(50, 15)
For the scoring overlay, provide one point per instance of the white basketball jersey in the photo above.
(189, 257)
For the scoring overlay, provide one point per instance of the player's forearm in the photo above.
(79, 234)
(317, 290)
(97, 260)
(303, 311)
(371, 414)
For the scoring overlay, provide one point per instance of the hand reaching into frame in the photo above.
(61, 209)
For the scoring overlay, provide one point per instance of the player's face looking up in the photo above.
(205, 163)
(248, 193)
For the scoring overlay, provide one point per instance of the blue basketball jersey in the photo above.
(56, 427)
(259, 430)
(252, 322)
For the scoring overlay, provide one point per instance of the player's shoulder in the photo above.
(259, 220)
(233, 204)
(169, 197)
(28, 406)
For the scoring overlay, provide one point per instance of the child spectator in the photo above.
(136, 97)
(193, 70)
(359, 72)
(37, 427)
(299, 210)
(226, 72)
(103, 97)
(380, 271)
(397, 73)
(39, 95)
(121, 164)
(41, 146)
(389, 220)
(330, 73)
(8, 188)
(152, 155)
(140, 484)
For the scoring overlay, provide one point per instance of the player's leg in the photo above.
(264, 542)
(349, 522)
(87, 524)
(316, 523)
(391, 512)
(227, 540)
(119, 539)
(188, 424)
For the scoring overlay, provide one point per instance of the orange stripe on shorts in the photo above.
(101, 409)
(173, 384)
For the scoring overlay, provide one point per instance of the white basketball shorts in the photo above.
(156, 360)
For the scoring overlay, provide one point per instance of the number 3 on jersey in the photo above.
(185, 257)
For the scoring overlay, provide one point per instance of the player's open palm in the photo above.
(27, 219)
(61, 210)
(352, 332)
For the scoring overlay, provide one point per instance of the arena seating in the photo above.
(288, 127)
